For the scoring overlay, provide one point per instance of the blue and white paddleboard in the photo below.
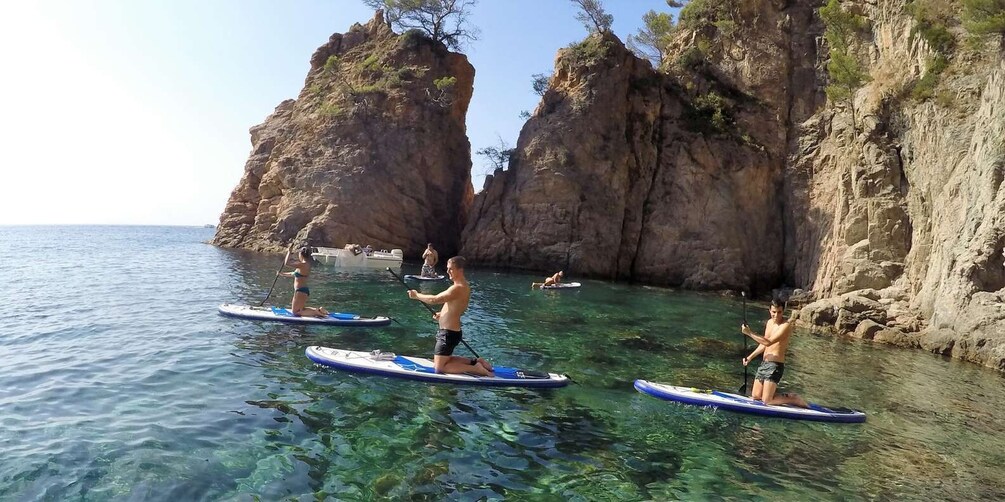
(563, 285)
(280, 314)
(743, 404)
(411, 277)
(417, 368)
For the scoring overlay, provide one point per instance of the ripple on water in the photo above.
(132, 386)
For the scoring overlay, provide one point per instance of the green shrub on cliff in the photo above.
(330, 110)
(709, 113)
(699, 14)
(924, 88)
(443, 87)
(590, 51)
(695, 58)
(445, 83)
(933, 19)
(332, 64)
(985, 17)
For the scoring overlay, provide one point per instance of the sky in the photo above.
(137, 112)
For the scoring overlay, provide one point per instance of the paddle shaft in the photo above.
(274, 281)
(430, 309)
(743, 390)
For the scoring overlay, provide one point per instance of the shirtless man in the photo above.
(773, 344)
(455, 302)
(550, 281)
(432, 258)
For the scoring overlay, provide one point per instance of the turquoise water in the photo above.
(120, 381)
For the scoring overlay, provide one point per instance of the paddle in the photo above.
(743, 389)
(274, 281)
(430, 309)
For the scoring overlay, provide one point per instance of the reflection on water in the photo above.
(129, 385)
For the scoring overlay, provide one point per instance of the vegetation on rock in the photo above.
(539, 83)
(497, 156)
(652, 41)
(985, 17)
(593, 16)
(846, 73)
(444, 21)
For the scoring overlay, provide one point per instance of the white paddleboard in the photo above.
(418, 368)
(563, 285)
(280, 314)
(744, 404)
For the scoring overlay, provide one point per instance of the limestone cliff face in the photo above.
(906, 202)
(892, 218)
(613, 179)
(373, 150)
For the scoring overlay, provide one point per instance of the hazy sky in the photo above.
(137, 111)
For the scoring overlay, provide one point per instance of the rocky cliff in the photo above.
(617, 175)
(373, 151)
(910, 211)
(732, 169)
(668, 177)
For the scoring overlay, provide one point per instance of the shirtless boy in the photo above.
(773, 345)
(455, 302)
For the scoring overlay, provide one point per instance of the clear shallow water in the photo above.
(120, 381)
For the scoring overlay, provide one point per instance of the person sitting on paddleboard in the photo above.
(773, 344)
(554, 280)
(302, 270)
(431, 257)
(455, 302)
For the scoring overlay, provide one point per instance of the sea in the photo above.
(119, 380)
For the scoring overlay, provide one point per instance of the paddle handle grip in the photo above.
(402, 281)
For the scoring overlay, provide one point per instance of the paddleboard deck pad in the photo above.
(418, 368)
(743, 404)
(563, 285)
(411, 277)
(281, 314)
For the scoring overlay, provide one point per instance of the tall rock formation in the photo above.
(617, 176)
(373, 150)
(893, 217)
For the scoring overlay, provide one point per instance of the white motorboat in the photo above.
(355, 256)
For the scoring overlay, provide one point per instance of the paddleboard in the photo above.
(743, 404)
(563, 285)
(418, 368)
(421, 278)
(280, 314)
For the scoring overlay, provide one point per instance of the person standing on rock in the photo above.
(301, 293)
(773, 345)
(431, 258)
(554, 280)
(455, 301)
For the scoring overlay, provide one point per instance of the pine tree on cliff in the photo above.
(653, 39)
(846, 73)
(445, 21)
(593, 16)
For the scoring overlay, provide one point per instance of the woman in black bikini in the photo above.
(302, 270)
